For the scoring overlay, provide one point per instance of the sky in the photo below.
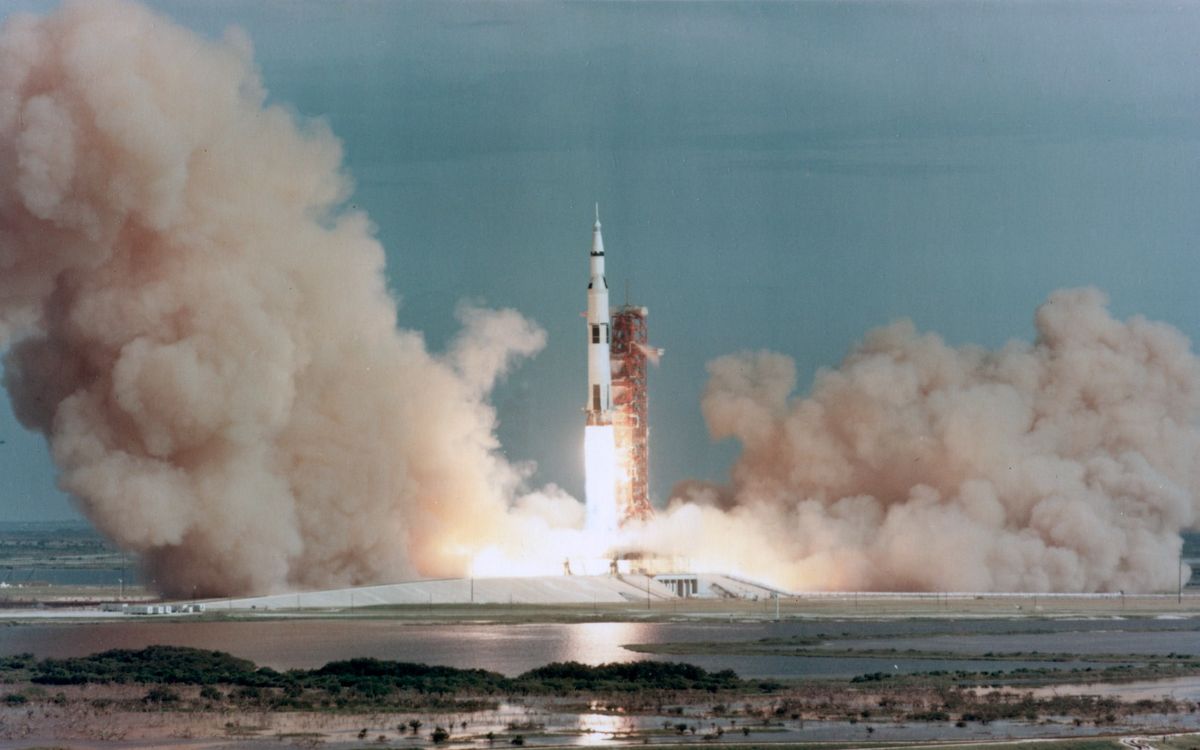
(780, 176)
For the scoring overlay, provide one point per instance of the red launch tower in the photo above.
(631, 426)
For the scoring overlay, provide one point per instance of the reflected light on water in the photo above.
(599, 728)
(600, 642)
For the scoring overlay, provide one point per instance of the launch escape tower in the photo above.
(631, 426)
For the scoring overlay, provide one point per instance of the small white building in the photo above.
(685, 584)
(716, 586)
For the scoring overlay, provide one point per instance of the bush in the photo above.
(872, 677)
(929, 716)
(15, 699)
(150, 665)
(359, 681)
(160, 694)
(17, 661)
(628, 677)
(439, 735)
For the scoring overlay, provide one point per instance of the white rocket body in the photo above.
(599, 395)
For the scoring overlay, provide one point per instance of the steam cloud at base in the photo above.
(1071, 464)
(205, 336)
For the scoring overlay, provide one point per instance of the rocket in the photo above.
(599, 397)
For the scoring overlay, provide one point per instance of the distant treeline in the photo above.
(174, 665)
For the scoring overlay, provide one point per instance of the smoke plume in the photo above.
(204, 334)
(1069, 464)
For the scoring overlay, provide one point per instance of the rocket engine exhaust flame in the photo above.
(600, 470)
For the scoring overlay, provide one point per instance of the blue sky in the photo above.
(782, 176)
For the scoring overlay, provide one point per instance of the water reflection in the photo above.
(597, 729)
(601, 642)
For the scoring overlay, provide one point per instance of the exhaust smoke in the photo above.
(1070, 464)
(204, 334)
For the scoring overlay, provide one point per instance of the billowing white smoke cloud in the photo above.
(1070, 464)
(205, 336)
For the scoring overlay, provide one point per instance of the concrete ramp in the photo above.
(735, 587)
(526, 590)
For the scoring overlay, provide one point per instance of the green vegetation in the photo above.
(160, 694)
(690, 699)
(376, 677)
(631, 676)
(53, 543)
(1177, 742)
(16, 668)
(150, 665)
(1034, 677)
(360, 679)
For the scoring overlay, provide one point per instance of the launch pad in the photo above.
(716, 595)
(622, 588)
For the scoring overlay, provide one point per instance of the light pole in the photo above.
(1179, 596)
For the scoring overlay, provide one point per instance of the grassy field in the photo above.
(55, 545)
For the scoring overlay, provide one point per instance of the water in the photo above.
(508, 649)
(588, 729)
(1097, 642)
(541, 725)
